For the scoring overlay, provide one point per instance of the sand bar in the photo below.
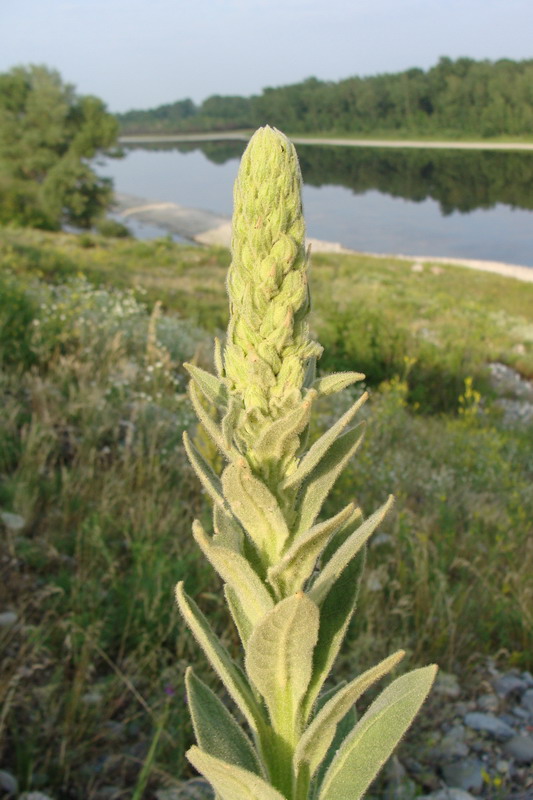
(209, 228)
(348, 142)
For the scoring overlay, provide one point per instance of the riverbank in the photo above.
(207, 228)
(242, 136)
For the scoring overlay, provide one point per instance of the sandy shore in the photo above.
(348, 142)
(206, 227)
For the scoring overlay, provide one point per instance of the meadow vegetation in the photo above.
(97, 498)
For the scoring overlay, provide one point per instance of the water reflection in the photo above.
(458, 180)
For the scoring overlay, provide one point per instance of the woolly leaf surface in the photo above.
(316, 739)
(231, 782)
(279, 654)
(256, 508)
(375, 736)
(319, 482)
(346, 552)
(235, 570)
(290, 574)
(217, 731)
(318, 449)
(228, 672)
(208, 479)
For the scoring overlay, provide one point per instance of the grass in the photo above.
(93, 335)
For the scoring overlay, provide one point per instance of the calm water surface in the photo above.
(423, 202)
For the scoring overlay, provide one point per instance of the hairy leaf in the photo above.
(211, 427)
(235, 570)
(213, 388)
(256, 508)
(208, 479)
(335, 615)
(228, 672)
(280, 653)
(219, 362)
(345, 553)
(317, 738)
(319, 482)
(229, 781)
(375, 736)
(238, 615)
(217, 731)
(319, 448)
(337, 381)
(228, 532)
(290, 574)
(279, 439)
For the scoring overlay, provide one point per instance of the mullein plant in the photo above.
(290, 580)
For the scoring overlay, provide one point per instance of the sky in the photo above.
(143, 53)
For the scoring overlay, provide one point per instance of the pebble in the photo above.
(527, 701)
(8, 782)
(527, 677)
(490, 724)
(12, 521)
(8, 619)
(520, 748)
(509, 684)
(447, 685)
(34, 796)
(193, 789)
(464, 774)
(448, 794)
(488, 702)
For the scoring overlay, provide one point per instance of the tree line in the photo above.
(458, 180)
(453, 98)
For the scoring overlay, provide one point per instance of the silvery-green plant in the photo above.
(290, 581)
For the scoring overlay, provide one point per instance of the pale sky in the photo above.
(142, 53)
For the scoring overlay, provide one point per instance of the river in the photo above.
(420, 202)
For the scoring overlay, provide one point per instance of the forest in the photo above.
(454, 98)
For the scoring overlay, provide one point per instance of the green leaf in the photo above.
(228, 532)
(228, 672)
(310, 372)
(353, 521)
(279, 655)
(229, 421)
(208, 479)
(289, 574)
(242, 623)
(235, 570)
(279, 440)
(317, 738)
(219, 362)
(375, 736)
(319, 482)
(213, 388)
(229, 781)
(211, 427)
(335, 615)
(337, 381)
(345, 726)
(217, 731)
(256, 508)
(319, 448)
(341, 558)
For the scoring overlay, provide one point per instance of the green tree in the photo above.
(48, 136)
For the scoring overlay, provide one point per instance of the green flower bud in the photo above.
(268, 344)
